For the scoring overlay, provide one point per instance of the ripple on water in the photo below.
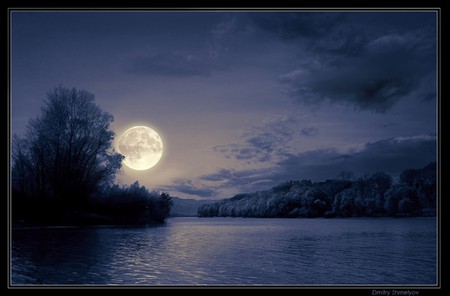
(221, 251)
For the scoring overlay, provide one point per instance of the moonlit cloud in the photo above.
(188, 187)
(392, 156)
(388, 155)
(262, 143)
(227, 180)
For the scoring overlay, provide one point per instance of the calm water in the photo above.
(231, 251)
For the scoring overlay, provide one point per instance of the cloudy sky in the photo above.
(243, 100)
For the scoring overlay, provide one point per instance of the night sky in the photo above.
(243, 100)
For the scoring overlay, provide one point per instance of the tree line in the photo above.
(368, 196)
(63, 169)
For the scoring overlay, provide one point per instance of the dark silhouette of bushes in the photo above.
(132, 205)
(368, 196)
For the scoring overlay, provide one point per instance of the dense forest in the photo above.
(63, 169)
(369, 196)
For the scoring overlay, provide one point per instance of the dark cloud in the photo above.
(262, 143)
(299, 24)
(391, 68)
(366, 60)
(388, 125)
(339, 32)
(243, 180)
(188, 187)
(212, 185)
(230, 33)
(170, 64)
(309, 131)
(389, 155)
(242, 152)
(431, 96)
(220, 175)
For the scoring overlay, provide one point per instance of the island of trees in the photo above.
(369, 196)
(63, 169)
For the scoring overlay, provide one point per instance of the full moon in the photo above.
(141, 146)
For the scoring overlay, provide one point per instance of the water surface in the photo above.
(231, 251)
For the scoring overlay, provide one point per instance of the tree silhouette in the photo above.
(66, 152)
(63, 169)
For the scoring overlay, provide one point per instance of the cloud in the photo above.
(262, 143)
(188, 187)
(295, 25)
(170, 64)
(220, 175)
(229, 33)
(309, 131)
(218, 51)
(390, 68)
(242, 180)
(366, 60)
(391, 156)
(223, 183)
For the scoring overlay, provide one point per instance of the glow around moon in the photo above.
(141, 146)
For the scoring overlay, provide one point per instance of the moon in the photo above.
(141, 146)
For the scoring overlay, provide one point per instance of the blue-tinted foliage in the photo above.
(373, 196)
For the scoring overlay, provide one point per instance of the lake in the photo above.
(231, 251)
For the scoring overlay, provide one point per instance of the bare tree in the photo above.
(68, 148)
